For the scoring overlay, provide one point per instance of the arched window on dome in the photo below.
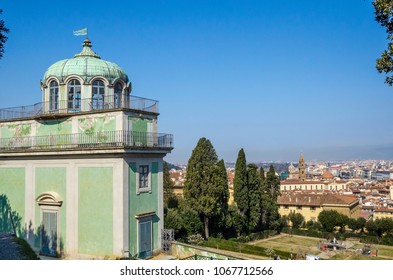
(118, 95)
(74, 95)
(53, 96)
(98, 95)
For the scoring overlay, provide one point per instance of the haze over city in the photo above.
(274, 78)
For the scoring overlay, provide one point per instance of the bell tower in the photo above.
(302, 169)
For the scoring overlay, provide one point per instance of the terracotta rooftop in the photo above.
(383, 209)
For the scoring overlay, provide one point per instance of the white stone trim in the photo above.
(160, 214)
(29, 202)
(118, 226)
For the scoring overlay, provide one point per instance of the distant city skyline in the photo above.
(275, 78)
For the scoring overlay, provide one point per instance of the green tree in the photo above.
(235, 222)
(170, 199)
(263, 195)
(361, 223)
(353, 224)
(204, 185)
(3, 37)
(173, 220)
(240, 184)
(254, 196)
(384, 16)
(296, 219)
(383, 226)
(330, 219)
(270, 193)
(262, 175)
(220, 185)
(184, 221)
(371, 227)
(221, 182)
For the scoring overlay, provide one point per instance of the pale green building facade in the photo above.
(81, 172)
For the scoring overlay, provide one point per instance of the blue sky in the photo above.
(276, 78)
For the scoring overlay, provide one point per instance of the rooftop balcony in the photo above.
(86, 141)
(66, 107)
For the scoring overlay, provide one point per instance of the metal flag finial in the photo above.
(80, 32)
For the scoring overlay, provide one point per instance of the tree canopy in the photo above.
(3, 37)
(254, 196)
(330, 219)
(206, 185)
(384, 16)
(240, 184)
(270, 190)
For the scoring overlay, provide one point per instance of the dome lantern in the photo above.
(84, 82)
(87, 51)
(87, 65)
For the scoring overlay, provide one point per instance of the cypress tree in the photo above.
(222, 184)
(271, 191)
(219, 192)
(254, 196)
(263, 198)
(240, 184)
(262, 175)
(205, 183)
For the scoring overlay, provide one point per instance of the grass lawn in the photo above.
(309, 245)
(292, 243)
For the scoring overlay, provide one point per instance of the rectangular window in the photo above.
(143, 176)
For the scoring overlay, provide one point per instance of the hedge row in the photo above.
(239, 247)
(364, 238)
(377, 240)
(255, 236)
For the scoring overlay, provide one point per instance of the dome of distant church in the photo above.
(87, 65)
(327, 175)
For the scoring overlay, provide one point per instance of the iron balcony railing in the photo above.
(80, 105)
(110, 139)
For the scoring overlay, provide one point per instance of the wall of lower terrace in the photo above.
(12, 197)
(90, 218)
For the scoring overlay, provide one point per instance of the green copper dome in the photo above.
(87, 65)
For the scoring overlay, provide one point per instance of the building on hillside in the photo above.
(310, 205)
(82, 170)
(177, 177)
(284, 175)
(296, 185)
(383, 212)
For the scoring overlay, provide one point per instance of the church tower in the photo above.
(302, 169)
